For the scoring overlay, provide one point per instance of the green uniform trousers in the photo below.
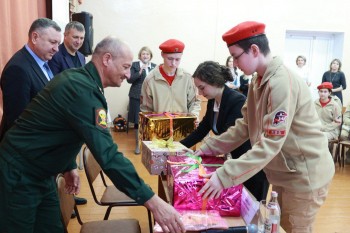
(28, 205)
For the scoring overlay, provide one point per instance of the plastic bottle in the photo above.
(272, 223)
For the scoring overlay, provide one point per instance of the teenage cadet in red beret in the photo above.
(329, 111)
(168, 88)
(284, 129)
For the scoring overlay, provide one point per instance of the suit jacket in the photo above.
(62, 60)
(230, 110)
(21, 80)
(244, 85)
(136, 79)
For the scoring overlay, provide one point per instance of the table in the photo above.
(231, 221)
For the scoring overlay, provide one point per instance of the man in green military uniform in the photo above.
(44, 141)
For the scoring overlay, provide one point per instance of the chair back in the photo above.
(92, 168)
(67, 202)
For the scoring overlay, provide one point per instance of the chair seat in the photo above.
(107, 226)
(112, 195)
(345, 143)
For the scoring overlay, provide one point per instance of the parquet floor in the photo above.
(334, 216)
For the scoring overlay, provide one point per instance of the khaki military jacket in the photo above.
(281, 122)
(330, 116)
(346, 124)
(158, 96)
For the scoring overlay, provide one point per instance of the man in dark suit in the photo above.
(68, 55)
(27, 72)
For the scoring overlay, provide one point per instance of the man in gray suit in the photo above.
(27, 72)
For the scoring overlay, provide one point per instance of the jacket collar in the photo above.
(93, 73)
(271, 69)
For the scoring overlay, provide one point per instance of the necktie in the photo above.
(48, 71)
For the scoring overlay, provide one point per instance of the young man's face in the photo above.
(171, 61)
(243, 60)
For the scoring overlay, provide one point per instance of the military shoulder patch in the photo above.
(279, 118)
(101, 118)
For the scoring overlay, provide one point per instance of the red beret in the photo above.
(172, 46)
(325, 85)
(243, 31)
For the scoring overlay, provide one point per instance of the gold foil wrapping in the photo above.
(158, 125)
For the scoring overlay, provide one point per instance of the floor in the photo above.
(334, 216)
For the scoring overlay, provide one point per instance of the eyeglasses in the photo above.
(237, 57)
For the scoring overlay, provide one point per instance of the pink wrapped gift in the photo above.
(184, 182)
(155, 155)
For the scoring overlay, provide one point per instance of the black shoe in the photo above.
(74, 215)
(80, 200)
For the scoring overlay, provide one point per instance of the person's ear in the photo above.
(255, 50)
(106, 59)
(35, 36)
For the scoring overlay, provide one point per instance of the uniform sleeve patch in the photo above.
(280, 118)
(275, 132)
(101, 118)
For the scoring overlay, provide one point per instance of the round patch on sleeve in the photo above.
(280, 118)
(101, 118)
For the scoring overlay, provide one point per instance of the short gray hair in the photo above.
(43, 23)
(74, 25)
(110, 45)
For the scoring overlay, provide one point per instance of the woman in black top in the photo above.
(336, 77)
(223, 108)
(138, 72)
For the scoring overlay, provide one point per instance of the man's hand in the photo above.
(72, 182)
(213, 188)
(165, 215)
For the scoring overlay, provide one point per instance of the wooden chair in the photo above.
(336, 146)
(343, 144)
(67, 204)
(111, 197)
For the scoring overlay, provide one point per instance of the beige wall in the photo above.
(200, 24)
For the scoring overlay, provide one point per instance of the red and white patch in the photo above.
(280, 118)
(275, 132)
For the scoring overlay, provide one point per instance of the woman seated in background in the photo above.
(223, 108)
(329, 111)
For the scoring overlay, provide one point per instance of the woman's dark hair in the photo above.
(261, 41)
(213, 73)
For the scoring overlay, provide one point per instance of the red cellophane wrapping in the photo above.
(184, 188)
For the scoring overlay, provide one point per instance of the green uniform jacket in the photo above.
(280, 119)
(69, 111)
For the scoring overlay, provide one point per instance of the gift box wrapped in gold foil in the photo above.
(164, 125)
(155, 154)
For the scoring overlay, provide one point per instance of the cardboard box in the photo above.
(154, 158)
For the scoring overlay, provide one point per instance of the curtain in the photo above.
(16, 16)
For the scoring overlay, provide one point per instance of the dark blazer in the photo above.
(62, 60)
(244, 85)
(230, 109)
(136, 79)
(21, 80)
